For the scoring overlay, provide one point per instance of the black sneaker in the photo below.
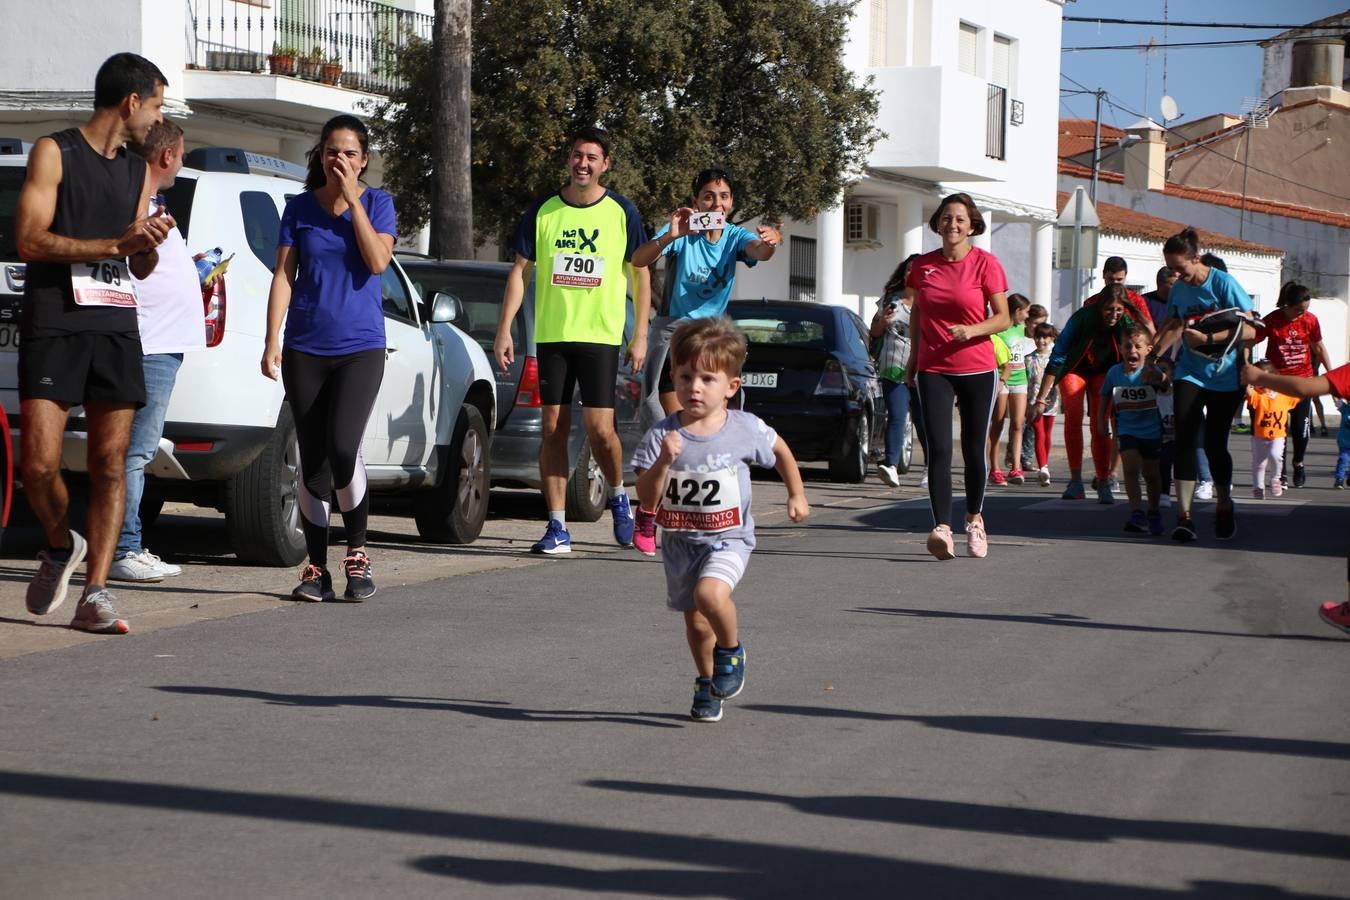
(315, 586)
(1185, 530)
(360, 586)
(1300, 476)
(1225, 523)
(706, 708)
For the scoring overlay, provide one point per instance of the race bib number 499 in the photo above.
(701, 501)
(106, 282)
(578, 270)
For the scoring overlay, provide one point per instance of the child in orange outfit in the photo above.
(1270, 425)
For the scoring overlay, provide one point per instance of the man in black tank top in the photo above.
(79, 227)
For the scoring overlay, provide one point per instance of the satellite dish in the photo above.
(1169, 109)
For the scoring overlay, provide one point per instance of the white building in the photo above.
(223, 88)
(969, 102)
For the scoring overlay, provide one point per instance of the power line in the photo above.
(1176, 44)
(1098, 20)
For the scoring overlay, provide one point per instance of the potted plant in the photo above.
(331, 70)
(281, 61)
(311, 64)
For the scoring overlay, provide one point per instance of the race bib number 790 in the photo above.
(106, 282)
(701, 501)
(578, 270)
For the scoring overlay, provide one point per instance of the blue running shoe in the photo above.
(1155, 526)
(1138, 523)
(706, 708)
(1104, 495)
(728, 672)
(623, 520)
(1074, 491)
(556, 540)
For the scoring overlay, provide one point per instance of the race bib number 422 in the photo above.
(701, 501)
(578, 270)
(106, 282)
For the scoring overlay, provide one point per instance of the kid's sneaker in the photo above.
(1259, 494)
(1017, 476)
(1074, 491)
(1337, 615)
(1339, 484)
(1043, 476)
(556, 539)
(1155, 525)
(644, 532)
(706, 708)
(997, 477)
(728, 672)
(1137, 523)
(1276, 488)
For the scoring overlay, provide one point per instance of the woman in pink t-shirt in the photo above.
(959, 296)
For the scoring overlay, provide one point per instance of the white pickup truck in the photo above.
(229, 440)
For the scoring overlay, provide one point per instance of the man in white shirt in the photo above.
(169, 312)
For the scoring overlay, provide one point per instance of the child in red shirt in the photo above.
(1336, 382)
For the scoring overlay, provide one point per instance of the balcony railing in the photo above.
(351, 43)
(995, 141)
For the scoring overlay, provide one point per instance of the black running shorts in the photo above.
(71, 369)
(564, 364)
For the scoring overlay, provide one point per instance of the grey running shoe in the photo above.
(48, 588)
(96, 615)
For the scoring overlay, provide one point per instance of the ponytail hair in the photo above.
(1293, 294)
(1184, 243)
(316, 177)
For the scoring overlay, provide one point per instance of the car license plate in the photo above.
(9, 336)
(760, 379)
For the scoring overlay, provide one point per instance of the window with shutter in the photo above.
(1002, 74)
(877, 34)
(968, 52)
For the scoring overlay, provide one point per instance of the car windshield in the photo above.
(479, 292)
(11, 180)
(805, 327)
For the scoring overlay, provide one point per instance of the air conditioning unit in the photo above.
(862, 223)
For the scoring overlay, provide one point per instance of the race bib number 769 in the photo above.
(106, 282)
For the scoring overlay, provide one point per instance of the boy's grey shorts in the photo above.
(686, 562)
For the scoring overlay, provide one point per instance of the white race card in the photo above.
(103, 283)
(710, 220)
(701, 501)
(578, 270)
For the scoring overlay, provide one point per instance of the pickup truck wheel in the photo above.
(586, 488)
(454, 510)
(261, 509)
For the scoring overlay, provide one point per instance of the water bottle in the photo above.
(206, 262)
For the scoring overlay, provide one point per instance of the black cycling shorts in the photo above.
(564, 364)
(71, 369)
(1148, 448)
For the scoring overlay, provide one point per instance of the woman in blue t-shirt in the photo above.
(1206, 379)
(337, 238)
(700, 264)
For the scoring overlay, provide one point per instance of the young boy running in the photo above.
(695, 465)
(1128, 391)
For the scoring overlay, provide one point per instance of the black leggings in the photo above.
(1191, 403)
(1300, 429)
(976, 395)
(331, 398)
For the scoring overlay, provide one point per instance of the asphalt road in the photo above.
(1082, 714)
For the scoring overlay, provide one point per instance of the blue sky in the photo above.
(1203, 80)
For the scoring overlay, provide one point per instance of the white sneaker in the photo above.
(1204, 490)
(143, 566)
(1043, 476)
(889, 475)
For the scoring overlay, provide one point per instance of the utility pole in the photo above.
(451, 160)
(1097, 146)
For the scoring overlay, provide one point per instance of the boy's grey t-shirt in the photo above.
(710, 474)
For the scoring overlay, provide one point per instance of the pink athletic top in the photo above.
(955, 293)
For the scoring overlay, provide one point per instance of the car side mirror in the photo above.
(446, 307)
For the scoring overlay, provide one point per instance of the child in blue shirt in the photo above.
(1129, 397)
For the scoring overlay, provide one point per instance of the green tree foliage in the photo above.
(756, 85)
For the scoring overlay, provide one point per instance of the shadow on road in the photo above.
(685, 865)
(1118, 735)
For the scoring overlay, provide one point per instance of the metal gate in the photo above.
(801, 268)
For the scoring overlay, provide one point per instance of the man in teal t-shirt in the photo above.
(581, 239)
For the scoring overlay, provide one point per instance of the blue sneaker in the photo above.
(728, 672)
(1138, 523)
(1074, 491)
(1155, 525)
(623, 520)
(556, 540)
(1104, 495)
(706, 708)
